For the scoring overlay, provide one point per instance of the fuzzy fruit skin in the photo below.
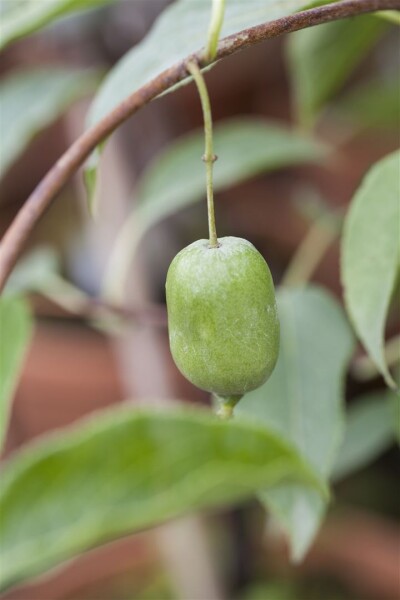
(222, 316)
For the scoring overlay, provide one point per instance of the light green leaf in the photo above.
(39, 271)
(179, 31)
(32, 100)
(322, 58)
(374, 103)
(393, 16)
(15, 333)
(126, 470)
(20, 18)
(90, 181)
(176, 178)
(371, 255)
(245, 146)
(273, 590)
(369, 431)
(34, 271)
(303, 401)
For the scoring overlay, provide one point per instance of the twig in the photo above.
(20, 228)
(311, 250)
(75, 302)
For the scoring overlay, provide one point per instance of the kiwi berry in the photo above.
(222, 316)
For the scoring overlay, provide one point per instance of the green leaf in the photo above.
(90, 181)
(393, 16)
(322, 58)
(20, 18)
(369, 431)
(373, 103)
(281, 589)
(15, 333)
(371, 255)
(32, 100)
(303, 401)
(180, 30)
(126, 470)
(176, 177)
(34, 272)
(39, 272)
(245, 146)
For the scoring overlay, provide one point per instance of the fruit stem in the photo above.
(224, 405)
(217, 18)
(209, 157)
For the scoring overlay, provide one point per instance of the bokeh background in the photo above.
(74, 368)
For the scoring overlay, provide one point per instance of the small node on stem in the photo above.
(212, 158)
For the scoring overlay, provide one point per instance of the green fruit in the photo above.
(222, 316)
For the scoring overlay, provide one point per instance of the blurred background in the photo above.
(74, 367)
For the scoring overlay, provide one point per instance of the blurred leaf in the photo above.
(20, 18)
(176, 178)
(369, 431)
(15, 333)
(303, 401)
(371, 255)
(32, 100)
(393, 16)
(179, 31)
(126, 470)
(372, 104)
(90, 181)
(322, 58)
(246, 147)
(34, 271)
(39, 271)
(276, 590)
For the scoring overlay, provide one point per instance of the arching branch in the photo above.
(19, 230)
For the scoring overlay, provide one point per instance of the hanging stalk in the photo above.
(209, 156)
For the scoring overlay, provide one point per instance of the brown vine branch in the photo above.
(20, 228)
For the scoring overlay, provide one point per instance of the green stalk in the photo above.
(217, 18)
(311, 250)
(209, 156)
